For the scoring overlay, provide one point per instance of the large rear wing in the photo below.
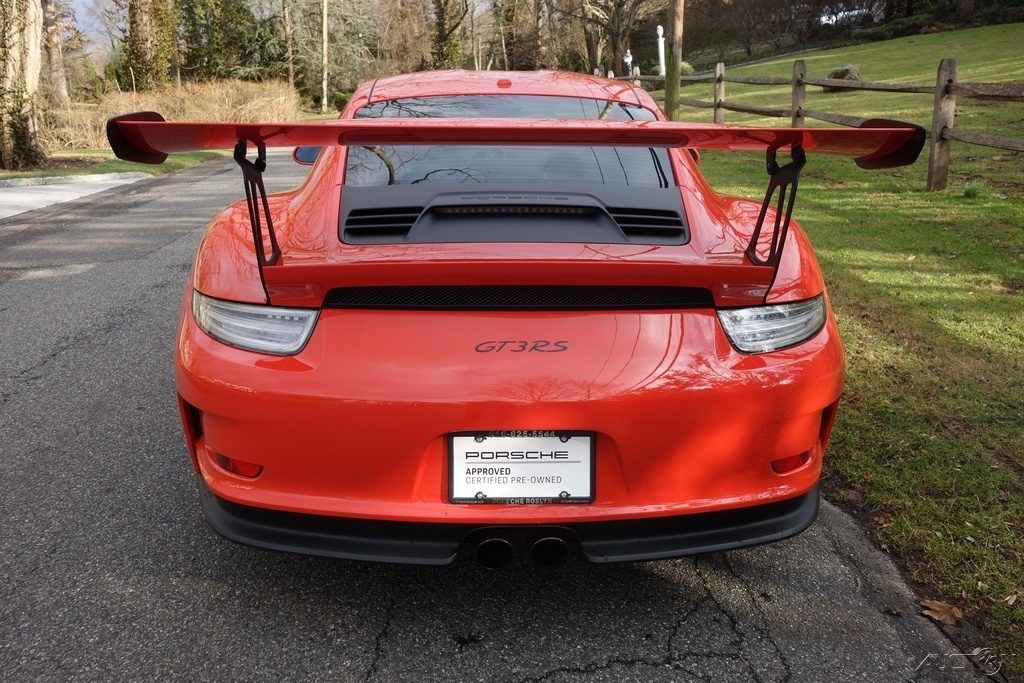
(145, 137)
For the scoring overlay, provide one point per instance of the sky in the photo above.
(84, 21)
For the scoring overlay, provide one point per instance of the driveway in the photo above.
(107, 570)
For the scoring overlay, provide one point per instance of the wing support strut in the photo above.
(256, 200)
(783, 181)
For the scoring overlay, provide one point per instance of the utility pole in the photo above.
(323, 56)
(676, 11)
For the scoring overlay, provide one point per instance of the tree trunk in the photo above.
(448, 18)
(544, 58)
(149, 42)
(323, 56)
(54, 54)
(288, 42)
(673, 56)
(595, 45)
(21, 25)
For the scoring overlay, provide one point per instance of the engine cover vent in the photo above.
(383, 223)
(514, 212)
(635, 222)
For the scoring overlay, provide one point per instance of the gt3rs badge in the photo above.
(519, 346)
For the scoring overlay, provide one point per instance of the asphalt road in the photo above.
(109, 572)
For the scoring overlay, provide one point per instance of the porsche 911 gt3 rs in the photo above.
(505, 315)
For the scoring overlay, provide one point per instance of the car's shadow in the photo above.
(811, 607)
(673, 620)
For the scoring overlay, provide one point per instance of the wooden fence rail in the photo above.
(945, 91)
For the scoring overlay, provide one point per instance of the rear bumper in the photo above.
(440, 543)
(356, 426)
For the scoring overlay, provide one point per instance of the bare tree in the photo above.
(112, 17)
(404, 35)
(746, 20)
(54, 26)
(610, 22)
(542, 36)
(324, 58)
(593, 35)
(286, 15)
(21, 28)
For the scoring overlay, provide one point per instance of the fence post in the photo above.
(942, 118)
(719, 92)
(799, 93)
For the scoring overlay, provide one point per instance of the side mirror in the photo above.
(305, 155)
(695, 153)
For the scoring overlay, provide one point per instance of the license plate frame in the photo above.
(520, 464)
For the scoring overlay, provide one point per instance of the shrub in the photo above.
(872, 34)
(847, 72)
(82, 126)
(1000, 15)
(339, 99)
(944, 9)
(685, 69)
(908, 26)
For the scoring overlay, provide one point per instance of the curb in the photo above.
(62, 180)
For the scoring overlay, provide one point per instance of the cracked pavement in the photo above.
(109, 572)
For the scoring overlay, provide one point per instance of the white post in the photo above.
(661, 50)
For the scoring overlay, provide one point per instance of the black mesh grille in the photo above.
(519, 297)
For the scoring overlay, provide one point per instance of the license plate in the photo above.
(521, 468)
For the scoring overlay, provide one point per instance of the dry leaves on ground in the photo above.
(941, 611)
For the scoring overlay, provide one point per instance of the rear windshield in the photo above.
(411, 164)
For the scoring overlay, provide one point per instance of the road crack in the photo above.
(667, 660)
(39, 370)
(763, 629)
(382, 634)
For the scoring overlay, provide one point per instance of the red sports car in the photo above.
(506, 315)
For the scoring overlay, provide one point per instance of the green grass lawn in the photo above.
(88, 161)
(929, 290)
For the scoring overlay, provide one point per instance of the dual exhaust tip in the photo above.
(549, 552)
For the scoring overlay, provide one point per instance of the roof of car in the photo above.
(461, 82)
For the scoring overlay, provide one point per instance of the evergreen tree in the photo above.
(219, 39)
